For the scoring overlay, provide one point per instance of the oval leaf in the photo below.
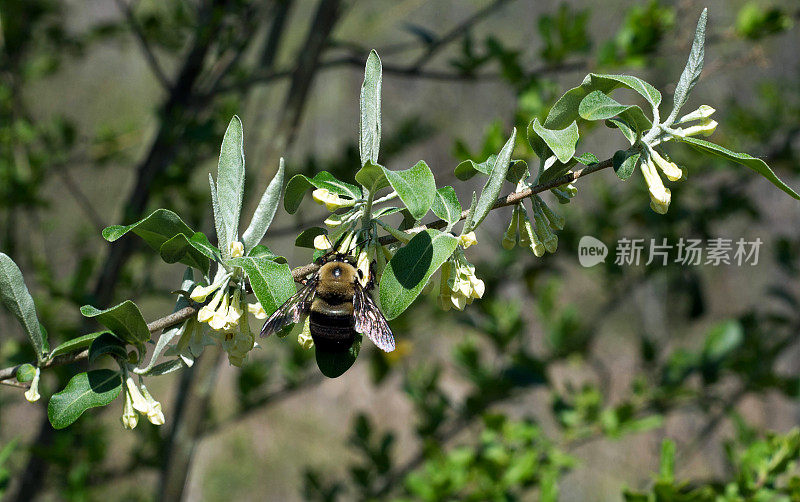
(694, 66)
(625, 161)
(265, 212)
(753, 163)
(369, 138)
(17, 299)
(272, 282)
(410, 269)
(416, 187)
(333, 365)
(230, 181)
(559, 141)
(493, 185)
(446, 205)
(156, 229)
(371, 177)
(84, 391)
(75, 344)
(599, 106)
(107, 344)
(124, 320)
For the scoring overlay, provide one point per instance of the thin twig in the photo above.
(149, 55)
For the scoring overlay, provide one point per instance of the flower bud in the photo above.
(527, 237)
(257, 310)
(304, 338)
(154, 413)
(556, 220)
(322, 243)
(330, 200)
(236, 249)
(549, 239)
(670, 169)
(703, 112)
(659, 195)
(32, 394)
(512, 232)
(467, 240)
(705, 128)
(138, 401)
(129, 416)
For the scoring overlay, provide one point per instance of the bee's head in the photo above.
(338, 271)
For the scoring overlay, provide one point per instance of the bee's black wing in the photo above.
(292, 310)
(369, 320)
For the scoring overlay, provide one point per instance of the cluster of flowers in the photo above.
(225, 314)
(652, 161)
(538, 235)
(138, 399)
(459, 285)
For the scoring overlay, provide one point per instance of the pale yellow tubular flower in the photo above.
(138, 401)
(154, 413)
(670, 169)
(330, 200)
(705, 128)
(219, 320)
(334, 220)
(257, 310)
(659, 195)
(207, 311)
(129, 416)
(703, 112)
(32, 394)
(304, 337)
(235, 309)
(322, 243)
(236, 249)
(200, 293)
(467, 240)
(363, 264)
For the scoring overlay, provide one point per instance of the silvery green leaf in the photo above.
(415, 186)
(265, 212)
(16, 298)
(410, 269)
(84, 391)
(75, 344)
(299, 184)
(272, 282)
(124, 320)
(230, 182)
(493, 185)
(559, 141)
(753, 163)
(166, 367)
(219, 222)
(369, 139)
(694, 65)
(625, 161)
(599, 106)
(446, 205)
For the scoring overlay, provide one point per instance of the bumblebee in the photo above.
(338, 307)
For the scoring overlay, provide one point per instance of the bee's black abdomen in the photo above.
(331, 333)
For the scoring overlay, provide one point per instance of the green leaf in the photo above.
(306, 237)
(587, 158)
(265, 212)
(200, 242)
(694, 66)
(165, 368)
(410, 268)
(180, 249)
(299, 184)
(219, 222)
(517, 170)
(371, 177)
(107, 344)
(625, 161)
(491, 190)
(16, 298)
(369, 138)
(124, 320)
(230, 183)
(565, 110)
(416, 187)
(262, 251)
(158, 228)
(75, 344)
(84, 391)
(599, 106)
(753, 163)
(446, 205)
(626, 130)
(272, 282)
(26, 372)
(560, 141)
(667, 470)
(721, 340)
(333, 364)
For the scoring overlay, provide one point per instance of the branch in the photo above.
(144, 44)
(301, 272)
